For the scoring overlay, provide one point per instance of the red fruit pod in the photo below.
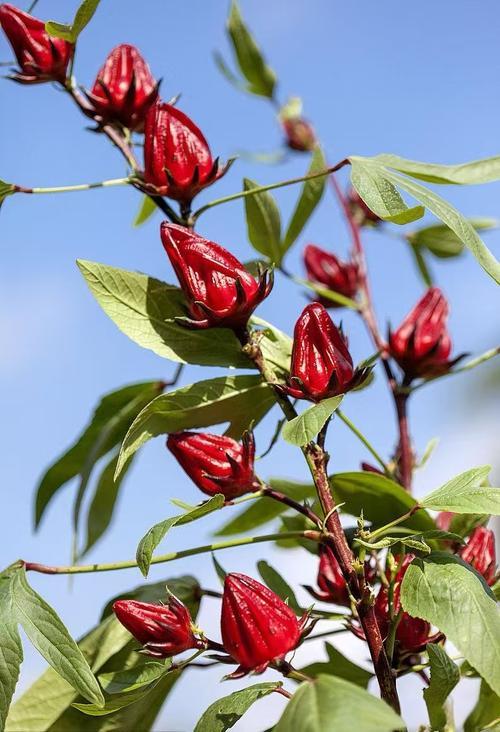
(40, 57)
(215, 463)
(163, 630)
(124, 89)
(480, 553)
(219, 290)
(332, 586)
(321, 364)
(177, 159)
(257, 627)
(421, 345)
(328, 270)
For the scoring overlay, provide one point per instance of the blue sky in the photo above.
(420, 82)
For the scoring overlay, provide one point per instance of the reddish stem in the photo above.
(405, 451)
(283, 498)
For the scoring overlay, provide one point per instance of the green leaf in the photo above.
(240, 400)
(310, 196)
(82, 18)
(226, 71)
(120, 682)
(486, 710)
(261, 78)
(441, 241)
(445, 675)
(422, 266)
(330, 704)
(444, 591)
(104, 502)
(263, 510)
(224, 713)
(11, 650)
(305, 427)
(454, 220)
(338, 665)
(429, 450)
(381, 500)
(219, 569)
(297, 522)
(6, 189)
(276, 347)
(154, 536)
(263, 222)
(145, 310)
(106, 429)
(466, 493)
(477, 171)
(465, 523)
(380, 194)
(147, 209)
(119, 701)
(278, 585)
(50, 637)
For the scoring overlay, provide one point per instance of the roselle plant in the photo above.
(416, 581)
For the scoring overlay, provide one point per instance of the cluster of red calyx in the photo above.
(40, 56)
(163, 630)
(412, 634)
(257, 627)
(219, 290)
(124, 89)
(215, 463)
(479, 552)
(321, 366)
(361, 213)
(421, 345)
(332, 273)
(299, 134)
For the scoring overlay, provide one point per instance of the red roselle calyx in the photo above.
(219, 290)
(41, 57)
(124, 89)
(163, 630)
(257, 627)
(332, 586)
(361, 213)
(321, 366)
(480, 553)
(177, 159)
(299, 134)
(334, 274)
(215, 463)
(421, 345)
(412, 634)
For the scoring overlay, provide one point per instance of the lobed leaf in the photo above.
(485, 170)
(441, 241)
(466, 493)
(261, 78)
(305, 427)
(239, 400)
(263, 222)
(448, 593)
(145, 310)
(445, 675)
(226, 712)
(330, 704)
(156, 534)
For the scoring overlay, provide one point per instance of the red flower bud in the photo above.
(299, 133)
(479, 552)
(124, 89)
(412, 633)
(219, 290)
(321, 363)
(216, 464)
(421, 345)
(177, 159)
(361, 213)
(331, 583)
(257, 626)
(163, 630)
(41, 57)
(326, 269)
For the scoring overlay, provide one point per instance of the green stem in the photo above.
(270, 187)
(404, 517)
(365, 442)
(161, 559)
(79, 187)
